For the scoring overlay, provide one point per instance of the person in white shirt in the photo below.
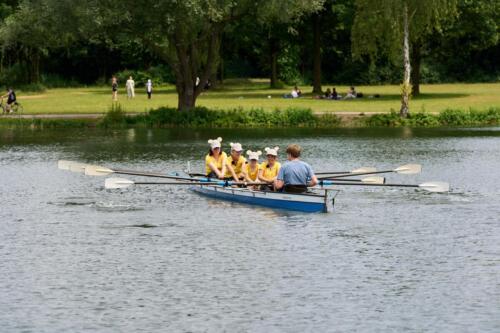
(130, 87)
(149, 88)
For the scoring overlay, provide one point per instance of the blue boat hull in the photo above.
(310, 203)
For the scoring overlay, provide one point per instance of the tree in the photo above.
(278, 16)
(389, 26)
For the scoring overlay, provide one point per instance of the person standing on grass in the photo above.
(130, 87)
(114, 88)
(149, 88)
(295, 175)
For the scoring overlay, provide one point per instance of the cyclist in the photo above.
(11, 99)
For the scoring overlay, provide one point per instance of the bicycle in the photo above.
(15, 108)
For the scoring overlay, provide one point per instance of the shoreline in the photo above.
(258, 118)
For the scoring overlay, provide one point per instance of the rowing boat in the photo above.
(310, 202)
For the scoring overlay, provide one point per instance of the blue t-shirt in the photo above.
(295, 173)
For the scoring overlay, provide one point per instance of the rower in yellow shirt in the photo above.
(215, 161)
(235, 163)
(270, 168)
(252, 168)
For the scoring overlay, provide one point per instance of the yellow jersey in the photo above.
(218, 162)
(236, 165)
(252, 174)
(270, 172)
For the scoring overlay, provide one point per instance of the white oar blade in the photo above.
(364, 170)
(64, 164)
(95, 170)
(373, 180)
(435, 186)
(115, 183)
(77, 167)
(409, 169)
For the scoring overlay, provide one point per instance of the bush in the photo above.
(447, 117)
(233, 118)
(158, 75)
(114, 117)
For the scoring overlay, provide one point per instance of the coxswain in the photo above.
(235, 163)
(295, 175)
(270, 168)
(215, 161)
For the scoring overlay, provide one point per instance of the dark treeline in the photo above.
(61, 43)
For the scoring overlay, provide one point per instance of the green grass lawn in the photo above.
(255, 94)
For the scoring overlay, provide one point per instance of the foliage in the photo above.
(115, 116)
(232, 118)
(449, 117)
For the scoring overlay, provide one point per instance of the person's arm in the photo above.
(261, 176)
(224, 168)
(231, 170)
(279, 182)
(313, 179)
(313, 182)
(213, 167)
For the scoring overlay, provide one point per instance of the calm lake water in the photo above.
(75, 257)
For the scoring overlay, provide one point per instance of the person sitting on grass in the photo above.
(351, 93)
(11, 99)
(296, 93)
(334, 94)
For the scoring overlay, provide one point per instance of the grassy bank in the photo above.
(260, 118)
(255, 94)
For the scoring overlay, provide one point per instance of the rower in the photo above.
(235, 163)
(295, 175)
(252, 168)
(270, 168)
(215, 161)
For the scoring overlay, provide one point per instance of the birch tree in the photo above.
(388, 27)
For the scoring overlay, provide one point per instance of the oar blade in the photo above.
(77, 167)
(435, 186)
(373, 180)
(409, 169)
(364, 170)
(64, 164)
(95, 170)
(116, 183)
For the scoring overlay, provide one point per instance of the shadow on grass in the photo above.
(235, 94)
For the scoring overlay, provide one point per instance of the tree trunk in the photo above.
(406, 87)
(316, 54)
(186, 62)
(273, 59)
(416, 56)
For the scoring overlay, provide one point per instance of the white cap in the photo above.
(272, 151)
(253, 155)
(236, 146)
(215, 143)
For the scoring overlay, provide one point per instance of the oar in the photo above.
(71, 166)
(408, 169)
(428, 186)
(359, 170)
(366, 180)
(115, 183)
(96, 170)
